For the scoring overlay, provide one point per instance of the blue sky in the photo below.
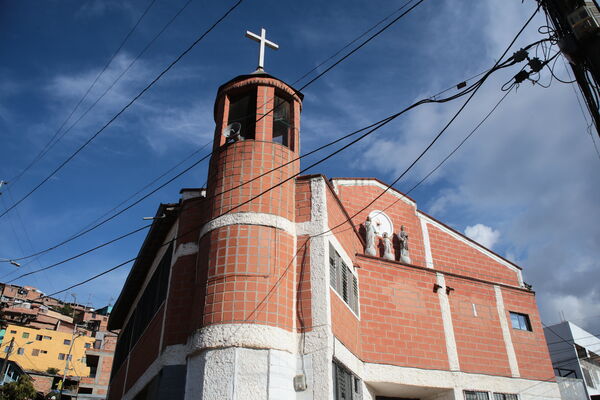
(525, 184)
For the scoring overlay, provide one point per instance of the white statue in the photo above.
(370, 238)
(388, 252)
(403, 237)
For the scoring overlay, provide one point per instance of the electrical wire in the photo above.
(129, 104)
(49, 144)
(312, 81)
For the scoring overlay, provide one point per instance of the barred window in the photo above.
(473, 395)
(505, 396)
(342, 280)
(346, 385)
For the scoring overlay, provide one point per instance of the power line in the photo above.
(48, 145)
(373, 127)
(473, 89)
(129, 104)
(353, 41)
(312, 81)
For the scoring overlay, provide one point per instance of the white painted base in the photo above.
(240, 373)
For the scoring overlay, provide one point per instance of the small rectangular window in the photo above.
(25, 335)
(61, 356)
(35, 352)
(44, 351)
(38, 337)
(20, 351)
(47, 338)
(473, 395)
(66, 342)
(87, 345)
(7, 349)
(520, 321)
(13, 332)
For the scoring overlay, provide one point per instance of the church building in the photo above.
(267, 284)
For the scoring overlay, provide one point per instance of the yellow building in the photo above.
(40, 349)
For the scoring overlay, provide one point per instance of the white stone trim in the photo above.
(172, 355)
(249, 218)
(451, 348)
(371, 182)
(249, 335)
(185, 249)
(510, 349)
(474, 245)
(319, 341)
(370, 373)
(426, 242)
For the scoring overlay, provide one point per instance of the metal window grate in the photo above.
(474, 395)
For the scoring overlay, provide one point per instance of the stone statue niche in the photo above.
(388, 246)
(403, 238)
(370, 249)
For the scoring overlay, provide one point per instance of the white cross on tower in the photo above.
(262, 39)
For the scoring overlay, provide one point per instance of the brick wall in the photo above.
(303, 200)
(401, 321)
(452, 255)
(530, 347)
(243, 161)
(250, 276)
(477, 328)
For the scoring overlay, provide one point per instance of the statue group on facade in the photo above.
(388, 246)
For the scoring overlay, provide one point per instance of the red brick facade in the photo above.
(254, 252)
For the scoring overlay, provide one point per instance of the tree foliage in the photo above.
(19, 390)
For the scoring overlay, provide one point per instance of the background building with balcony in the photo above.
(575, 354)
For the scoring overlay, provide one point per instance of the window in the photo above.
(7, 349)
(87, 345)
(61, 356)
(44, 351)
(520, 321)
(13, 332)
(346, 386)
(505, 396)
(282, 121)
(342, 280)
(38, 337)
(25, 335)
(47, 338)
(35, 352)
(66, 342)
(20, 351)
(242, 109)
(473, 395)
(154, 295)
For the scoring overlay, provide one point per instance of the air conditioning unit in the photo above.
(585, 21)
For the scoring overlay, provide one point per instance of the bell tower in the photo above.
(249, 238)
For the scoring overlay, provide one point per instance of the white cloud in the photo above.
(483, 235)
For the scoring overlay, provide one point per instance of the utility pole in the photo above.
(5, 362)
(73, 337)
(577, 26)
